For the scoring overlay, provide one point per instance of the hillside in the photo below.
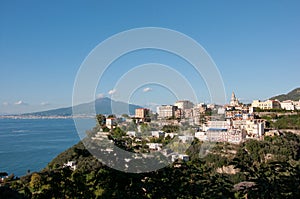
(102, 106)
(293, 95)
(253, 169)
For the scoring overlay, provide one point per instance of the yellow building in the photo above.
(142, 113)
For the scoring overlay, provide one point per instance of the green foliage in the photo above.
(272, 166)
(101, 119)
(170, 128)
(35, 182)
(118, 132)
(288, 122)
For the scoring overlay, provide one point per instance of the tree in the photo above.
(101, 119)
(35, 182)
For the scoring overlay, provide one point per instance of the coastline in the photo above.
(45, 117)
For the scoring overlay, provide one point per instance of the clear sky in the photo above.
(255, 45)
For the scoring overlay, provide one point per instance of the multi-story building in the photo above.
(184, 104)
(253, 128)
(222, 135)
(142, 113)
(217, 125)
(166, 111)
(111, 122)
(287, 105)
(269, 104)
(297, 104)
(235, 136)
(179, 113)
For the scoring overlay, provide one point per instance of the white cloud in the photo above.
(147, 89)
(20, 102)
(45, 103)
(100, 95)
(111, 92)
(5, 103)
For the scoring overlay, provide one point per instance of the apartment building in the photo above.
(268, 104)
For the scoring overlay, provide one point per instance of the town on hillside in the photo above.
(233, 123)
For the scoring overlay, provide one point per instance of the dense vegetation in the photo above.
(269, 168)
(283, 121)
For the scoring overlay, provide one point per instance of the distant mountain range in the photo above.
(293, 95)
(102, 106)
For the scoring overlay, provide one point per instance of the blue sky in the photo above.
(255, 45)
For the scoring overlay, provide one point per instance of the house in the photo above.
(287, 105)
(182, 157)
(111, 122)
(201, 135)
(131, 133)
(71, 164)
(186, 138)
(155, 146)
(158, 134)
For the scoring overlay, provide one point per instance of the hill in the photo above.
(103, 106)
(254, 169)
(293, 95)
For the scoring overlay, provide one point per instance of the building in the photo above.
(216, 134)
(236, 136)
(287, 105)
(234, 101)
(269, 104)
(217, 124)
(184, 104)
(166, 111)
(179, 113)
(71, 164)
(253, 128)
(186, 138)
(201, 135)
(111, 122)
(142, 113)
(154, 146)
(158, 134)
(182, 157)
(297, 104)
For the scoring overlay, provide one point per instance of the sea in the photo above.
(30, 144)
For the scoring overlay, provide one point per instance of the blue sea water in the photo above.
(33, 143)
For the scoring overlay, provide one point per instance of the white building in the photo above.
(71, 164)
(154, 146)
(182, 157)
(131, 133)
(234, 101)
(166, 111)
(186, 138)
(158, 134)
(216, 124)
(297, 104)
(235, 136)
(253, 128)
(184, 104)
(201, 135)
(287, 105)
(111, 122)
(269, 104)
